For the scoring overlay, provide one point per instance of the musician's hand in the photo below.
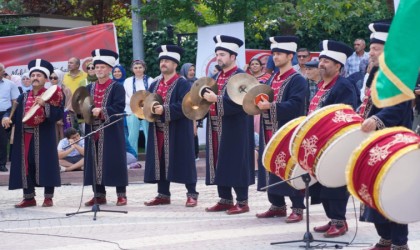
(158, 109)
(40, 101)
(263, 104)
(96, 112)
(210, 96)
(369, 125)
(5, 122)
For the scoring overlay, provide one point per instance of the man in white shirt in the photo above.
(9, 92)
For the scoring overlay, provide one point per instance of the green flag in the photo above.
(399, 64)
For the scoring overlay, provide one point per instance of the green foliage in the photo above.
(170, 12)
(339, 20)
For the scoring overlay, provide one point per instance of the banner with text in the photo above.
(55, 46)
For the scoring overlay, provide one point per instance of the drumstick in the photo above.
(12, 112)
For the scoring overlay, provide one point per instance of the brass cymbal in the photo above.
(194, 112)
(238, 85)
(78, 96)
(199, 87)
(137, 103)
(254, 96)
(86, 109)
(151, 100)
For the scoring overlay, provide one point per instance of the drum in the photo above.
(276, 156)
(322, 144)
(34, 116)
(383, 173)
(53, 95)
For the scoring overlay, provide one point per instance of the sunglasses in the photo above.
(53, 78)
(302, 56)
(90, 68)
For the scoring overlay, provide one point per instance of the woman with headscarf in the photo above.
(91, 76)
(26, 83)
(188, 72)
(56, 78)
(119, 74)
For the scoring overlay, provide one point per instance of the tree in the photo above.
(99, 11)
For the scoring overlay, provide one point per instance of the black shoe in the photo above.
(3, 168)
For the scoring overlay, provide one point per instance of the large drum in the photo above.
(34, 116)
(384, 174)
(277, 159)
(323, 143)
(53, 95)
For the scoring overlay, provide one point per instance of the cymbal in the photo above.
(238, 85)
(194, 112)
(151, 100)
(254, 96)
(77, 99)
(86, 108)
(137, 103)
(199, 87)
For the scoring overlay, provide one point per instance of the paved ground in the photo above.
(164, 227)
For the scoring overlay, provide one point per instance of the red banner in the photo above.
(56, 46)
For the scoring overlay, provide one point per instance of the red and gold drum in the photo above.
(277, 159)
(53, 95)
(34, 116)
(323, 143)
(384, 173)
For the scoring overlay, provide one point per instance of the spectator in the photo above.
(8, 94)
(352, 63)
(71, 158)
(304, 56)
(416, 120)
(188, 72)
(140, 81)
(74, 75)
(26, 82)
(56, 78)
(256, 69)
(91, 76)
(313, 76)
(118, 74)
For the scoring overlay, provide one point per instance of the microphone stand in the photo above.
(95, 208)
(307, 237)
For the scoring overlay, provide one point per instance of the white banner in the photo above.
(205, 49)
(206, 60)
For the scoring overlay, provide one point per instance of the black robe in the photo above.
(178, 150)
(47, 170)
(235, 157)
(111, 169)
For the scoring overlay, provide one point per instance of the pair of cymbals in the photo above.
(137, 103)
(194, 111)
(82, 104)
(254, 96)
(194, 106)
(77, 99)
(239, 85)
(200, 87)
(150, 102)
(86, 109)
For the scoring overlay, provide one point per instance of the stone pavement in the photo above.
(164, 227)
